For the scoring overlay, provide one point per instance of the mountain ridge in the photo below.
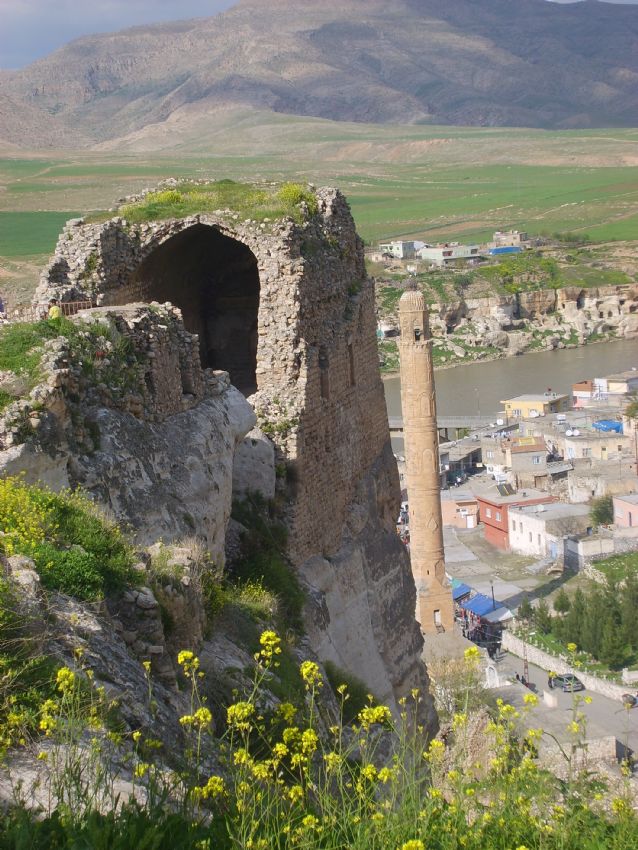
(402, 61)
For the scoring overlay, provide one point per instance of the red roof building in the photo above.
(494, 508)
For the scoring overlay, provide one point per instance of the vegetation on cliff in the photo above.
(290, 777)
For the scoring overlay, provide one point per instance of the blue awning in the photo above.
(480, 605)
(460, 590)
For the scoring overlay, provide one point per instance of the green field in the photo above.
(28, 234)
(430, 182)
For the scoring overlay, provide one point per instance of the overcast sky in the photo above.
(30, 29)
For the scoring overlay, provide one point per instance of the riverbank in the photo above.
(482, 386)
(503, 355)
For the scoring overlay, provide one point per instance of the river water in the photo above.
(480, 387)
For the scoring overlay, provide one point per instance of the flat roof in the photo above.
(632, 498)
(554, 510)
(536, 397)
(596, 435)
(621, 376)
(491, 494)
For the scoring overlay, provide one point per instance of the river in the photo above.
(480, 387)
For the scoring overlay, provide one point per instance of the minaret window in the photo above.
(418, 334)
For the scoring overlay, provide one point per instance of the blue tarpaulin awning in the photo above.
(480, 605)
(460, 590)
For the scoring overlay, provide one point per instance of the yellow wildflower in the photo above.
(270, 645)
(374, 714)
(310, 674)
(239, 715)
(65, 680)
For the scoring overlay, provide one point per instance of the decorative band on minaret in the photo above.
(434, 608)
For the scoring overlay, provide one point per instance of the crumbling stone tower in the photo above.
(287, 310)
(434, 609)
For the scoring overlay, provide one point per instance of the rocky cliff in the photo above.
(285, 309)
(505, 325)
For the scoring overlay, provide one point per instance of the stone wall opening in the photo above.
(214, 280)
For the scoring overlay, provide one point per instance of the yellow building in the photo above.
(536, 404)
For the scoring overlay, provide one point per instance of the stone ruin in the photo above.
(279, 319)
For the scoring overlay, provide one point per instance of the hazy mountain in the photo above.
(482, 62)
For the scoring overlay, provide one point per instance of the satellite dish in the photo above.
(500, 422)
(568, 432)
(576, 432)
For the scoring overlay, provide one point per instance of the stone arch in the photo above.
(214, 280)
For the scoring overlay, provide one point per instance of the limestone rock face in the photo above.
(168, 479)
(254, 466)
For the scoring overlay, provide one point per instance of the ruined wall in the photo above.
(113, 417)
(319, 398)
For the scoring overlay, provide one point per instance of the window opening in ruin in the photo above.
(580, 301)
(417, 334)
(214, 280)
(351, 363)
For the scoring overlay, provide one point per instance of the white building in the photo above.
(443, 255)
(539, 530)
(399, 249)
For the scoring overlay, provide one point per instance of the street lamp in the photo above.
(478, 401)
(493, 600)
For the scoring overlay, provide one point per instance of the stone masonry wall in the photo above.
(319, 398)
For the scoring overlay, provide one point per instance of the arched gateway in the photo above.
(214, 280)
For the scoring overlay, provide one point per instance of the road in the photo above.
(604, 716)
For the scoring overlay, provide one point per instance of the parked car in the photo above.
(567, 682)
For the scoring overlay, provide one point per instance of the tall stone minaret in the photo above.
(434, 608)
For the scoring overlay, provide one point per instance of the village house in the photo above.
(459, 509)
(524, 459)
(443, 255)
(605, 446)
(509, 239)
(626, 511)
(494, 509)
(399, 249)
(590, 479)
(536, 404)
(539, 529)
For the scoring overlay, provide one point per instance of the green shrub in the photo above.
(27, 678)
(76, 550)
(293, 194)
(602, 510)
(72, 571)
(263, 560)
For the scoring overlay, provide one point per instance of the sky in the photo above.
(30, 29)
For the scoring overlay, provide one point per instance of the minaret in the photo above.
(434, 608)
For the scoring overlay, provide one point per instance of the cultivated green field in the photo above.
(430, 182)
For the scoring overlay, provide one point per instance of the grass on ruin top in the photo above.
(248, 201)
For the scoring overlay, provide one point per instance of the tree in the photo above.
(561, 602)
(612, 648)
(525, 610)
(542, 618)
(602, 511)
